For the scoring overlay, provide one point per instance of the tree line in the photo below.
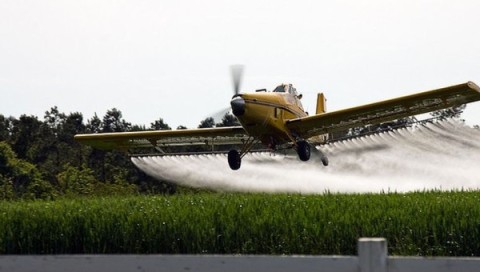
(40, 159)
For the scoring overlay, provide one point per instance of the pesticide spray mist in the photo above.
(443, 156)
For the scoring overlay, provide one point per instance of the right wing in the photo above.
(161, 138)
(385, 111)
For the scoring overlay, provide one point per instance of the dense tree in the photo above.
(113, 122)
(138, 128)
(207, 123)
(159, 125)
(94, 125)
(228, 120)
(76, 181)
(5, 127)
(21, 179)
(41, 158)
(105, 164)
(25, 132)
(54, 119)
(68, 151)
(73, 124)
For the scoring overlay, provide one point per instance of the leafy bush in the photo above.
(21, 177)
(74, 181)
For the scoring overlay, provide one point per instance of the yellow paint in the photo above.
(321, 104)
(278, 117)
(266, 114)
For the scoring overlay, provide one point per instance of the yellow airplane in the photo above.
(277, 120)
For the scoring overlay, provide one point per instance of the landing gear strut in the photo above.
(304, 152)
(235, 157)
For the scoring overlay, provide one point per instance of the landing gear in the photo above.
(234, 159)
(303, 150)
(324, 160)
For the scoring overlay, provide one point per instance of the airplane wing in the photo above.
(162, 138)
(385, 111)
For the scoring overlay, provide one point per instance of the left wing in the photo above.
(385, 111)
(160, 138)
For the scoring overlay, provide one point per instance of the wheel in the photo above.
(234, 160)
(303, 150)
(323, 157)
(325, 160)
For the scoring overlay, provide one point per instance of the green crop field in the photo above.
(421, 223)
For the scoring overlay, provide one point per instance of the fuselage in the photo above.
(263, 114)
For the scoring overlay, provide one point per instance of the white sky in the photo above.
(171, 59)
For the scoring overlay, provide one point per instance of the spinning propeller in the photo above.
(237, 103)
(237, 73)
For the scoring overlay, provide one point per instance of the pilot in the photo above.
(279, 89)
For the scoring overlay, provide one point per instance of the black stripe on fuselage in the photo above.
(273, 105)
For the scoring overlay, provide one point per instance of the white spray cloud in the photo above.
(442, 155)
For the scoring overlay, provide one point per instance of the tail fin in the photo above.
(321, 104)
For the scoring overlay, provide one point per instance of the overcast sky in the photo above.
(171, 59)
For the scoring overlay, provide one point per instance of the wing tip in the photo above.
(473, 86)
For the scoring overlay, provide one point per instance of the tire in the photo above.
(325, 161)
(303, 150)
(234, 160)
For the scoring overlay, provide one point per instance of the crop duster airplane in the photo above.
(277, 120)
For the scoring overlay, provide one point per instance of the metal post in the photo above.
(372, 254)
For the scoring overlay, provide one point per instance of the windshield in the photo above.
(279, 89)
(285, 88)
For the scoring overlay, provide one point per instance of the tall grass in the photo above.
(422, 223)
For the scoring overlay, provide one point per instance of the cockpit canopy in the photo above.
(285, 88)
